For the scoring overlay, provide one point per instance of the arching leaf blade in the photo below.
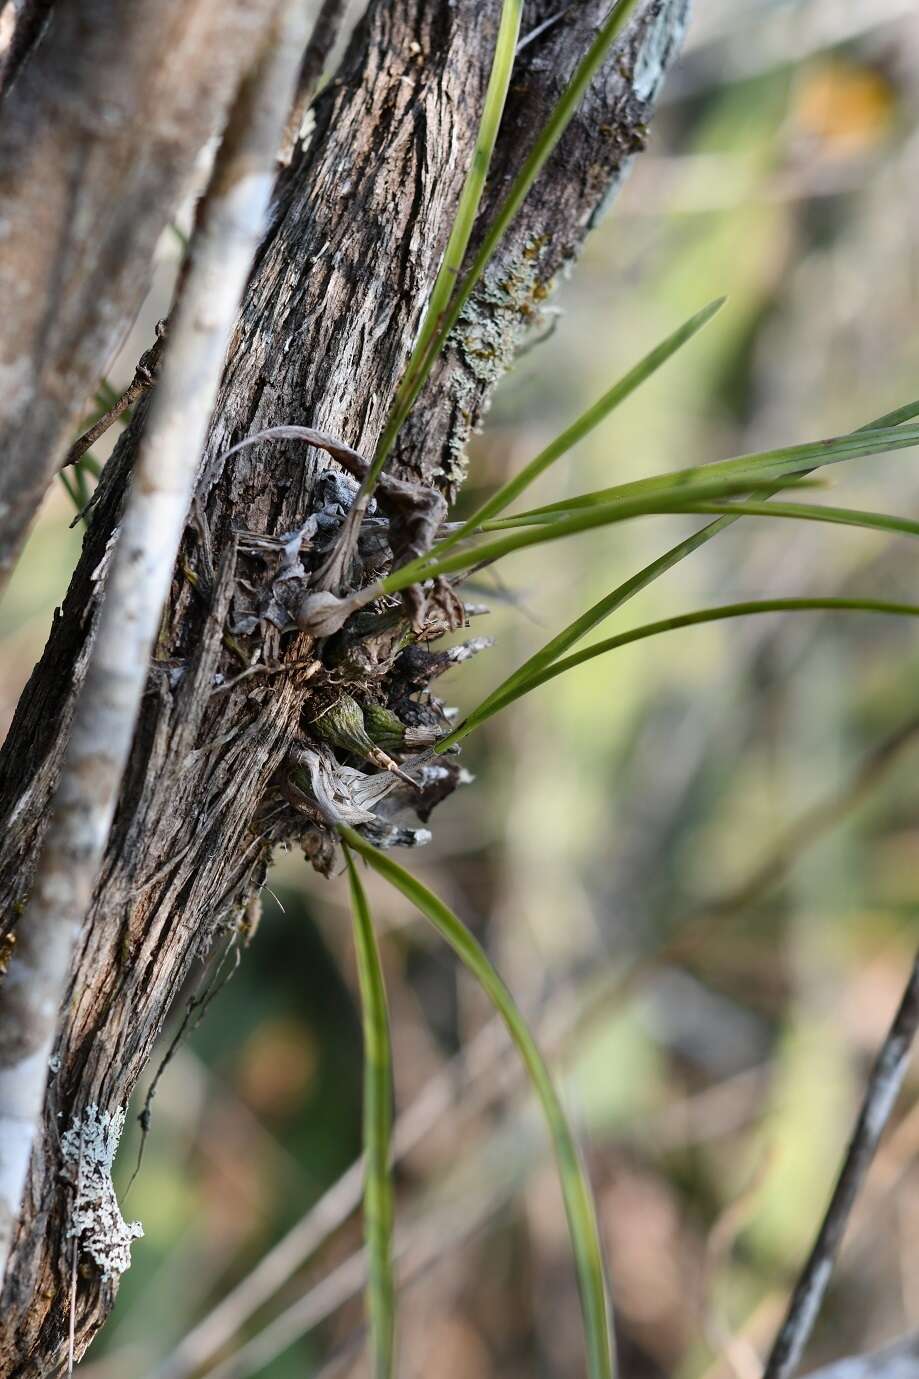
(638, 634)
(582, 426)
(765, 464)
(816, 512)
(576, 1191)
(568, 524)
(377, 1123)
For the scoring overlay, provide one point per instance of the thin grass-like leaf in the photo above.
(814, 512)
(579, 1206)
(419, 364)
(791, 459)
(894, 418)
(509, 689)
(567, 524)
(546, 142)
(654, 629)
(378, 1193)
(584, 424)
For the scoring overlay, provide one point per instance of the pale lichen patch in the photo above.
(88, 1149)
(504, 308)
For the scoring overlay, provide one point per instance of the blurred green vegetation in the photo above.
(619, 804)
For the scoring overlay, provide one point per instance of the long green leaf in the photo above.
(507, 691)
(419, 363)
(546, 142)
(584, 424)
(378, 1193)
(510, 688)
(639, 634)
(790, 459)
(894, 418)
(570, 635)
(582, 1221)
(814, 512)
(567, 524)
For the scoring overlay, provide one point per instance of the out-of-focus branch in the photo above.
(322, 40)
(333, 1208)
(816, 822)
(881, 1094)
(230, 223)
(144, 378)
(418, 1247)
(91, 170)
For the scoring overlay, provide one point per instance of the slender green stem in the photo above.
(638, 634)
(579, 1206)
(378, 1193)
(584, 424)
(546, 141)
(419, 364)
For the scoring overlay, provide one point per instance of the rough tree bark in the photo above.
(361, 220)
(99, 131)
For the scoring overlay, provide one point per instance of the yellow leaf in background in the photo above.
(846, 108)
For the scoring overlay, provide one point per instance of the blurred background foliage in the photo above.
(710, 962)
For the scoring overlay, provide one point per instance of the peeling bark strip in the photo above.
(361, 220)
(98, 137)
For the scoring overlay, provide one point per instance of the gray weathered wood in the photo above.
(99, 133)
(229, 224)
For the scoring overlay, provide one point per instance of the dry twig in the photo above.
(881, 1094)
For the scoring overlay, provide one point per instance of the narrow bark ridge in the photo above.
(253, 733)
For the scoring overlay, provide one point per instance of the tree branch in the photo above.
(881, 1094)
(91, 170)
